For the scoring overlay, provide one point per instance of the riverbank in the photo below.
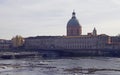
(17, 55)
(22, 53)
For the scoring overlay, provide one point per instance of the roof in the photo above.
(73, 21)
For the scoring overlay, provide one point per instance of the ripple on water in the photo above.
(67, 66)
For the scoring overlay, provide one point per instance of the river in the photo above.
(61, 66)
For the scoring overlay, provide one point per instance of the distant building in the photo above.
(115, 42)
(67, 42)
(5, 44)
(74, 39)
(115, 39)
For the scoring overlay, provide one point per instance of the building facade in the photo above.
(67, 42)
(5, 44)
(115, 42)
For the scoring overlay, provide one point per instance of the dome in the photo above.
(73, 21)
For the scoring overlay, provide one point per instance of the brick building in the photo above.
(73, 40)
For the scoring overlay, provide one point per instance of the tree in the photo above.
(17, 41)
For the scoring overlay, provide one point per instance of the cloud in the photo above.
(116, 2)
(44, 17)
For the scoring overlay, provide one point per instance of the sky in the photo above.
(49, 17)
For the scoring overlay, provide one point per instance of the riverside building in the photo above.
(73, 40)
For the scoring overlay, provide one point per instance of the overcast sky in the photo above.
(50, 17)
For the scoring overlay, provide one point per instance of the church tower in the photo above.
(94, 32)
(73, 26)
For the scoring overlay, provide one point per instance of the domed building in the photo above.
(73, 26)
(74, 41)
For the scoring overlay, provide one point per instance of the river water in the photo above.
(61, 66)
